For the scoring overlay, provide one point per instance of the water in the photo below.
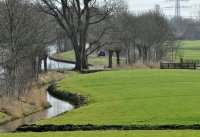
(57, 65)
(58, 107)
(52, 49)
(1, 70)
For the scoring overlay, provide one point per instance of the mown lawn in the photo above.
(94, 60)
(190, 49)
(183, 133)
(134, 97)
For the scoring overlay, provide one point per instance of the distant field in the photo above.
(134, 97)
(93, 59)
(179, 133)
(190, 49)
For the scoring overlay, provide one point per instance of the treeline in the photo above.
(139, 37)
(145, 37)
(24, 34)
(27, 27)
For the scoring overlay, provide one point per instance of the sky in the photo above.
(145, 5)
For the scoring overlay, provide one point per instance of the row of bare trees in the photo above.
(26, 27)
(90, 25)
(142, 37)
(78, 20)
(24, 33)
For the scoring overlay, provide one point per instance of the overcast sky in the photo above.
(143, 5)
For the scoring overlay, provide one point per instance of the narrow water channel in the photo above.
(58, 106)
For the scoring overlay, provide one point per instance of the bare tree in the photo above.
(153, 36)
(146, 36)
(23, 37)
(127, 24)
(75, 17)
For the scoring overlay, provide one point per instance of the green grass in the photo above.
(94, 60)
(134, 97)
(182, 133)
(66, 55)
(191, 49)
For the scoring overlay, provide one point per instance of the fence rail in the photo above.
(197, 61)
(178, 65)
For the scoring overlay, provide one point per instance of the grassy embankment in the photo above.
(167, 133)
(92, 59)
(134, 97)
(35, 100)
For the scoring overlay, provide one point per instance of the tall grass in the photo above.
(33, 100)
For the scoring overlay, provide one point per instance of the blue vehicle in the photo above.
(101, 53)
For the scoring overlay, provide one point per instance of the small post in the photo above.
(181, 63)
(181, 60)
(161, 65)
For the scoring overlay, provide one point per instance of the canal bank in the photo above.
(38, 113)
(57, 107)
(11, 122)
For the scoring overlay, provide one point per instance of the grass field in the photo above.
(134, 97)
(190, 49)
(184, 133)
(94, 60)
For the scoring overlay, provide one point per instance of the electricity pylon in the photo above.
(178, 7)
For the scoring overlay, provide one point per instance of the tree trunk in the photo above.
(59, 46)
(128, 60)
(110, 59)
(145, 54)
(39, 65)
(85, 62)
(118, 57)
(45, 64)
(134, 59)
(140, 52)
(78, 65)
(66, 45)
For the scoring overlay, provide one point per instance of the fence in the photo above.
(178, 65)
(197, 61)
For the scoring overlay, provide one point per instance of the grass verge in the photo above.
(134, 97)
(167, 133)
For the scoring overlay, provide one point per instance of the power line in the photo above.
(192, 10)
(177, 6)
(196, 14)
